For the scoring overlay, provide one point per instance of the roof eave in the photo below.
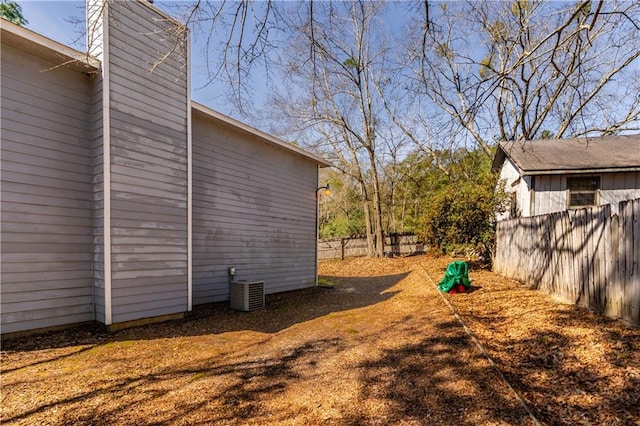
(258, 133)
(40, 45)
(580, 171)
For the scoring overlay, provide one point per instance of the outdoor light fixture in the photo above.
(326, 188)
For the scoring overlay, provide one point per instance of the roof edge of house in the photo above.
(218, 116)
(48, 48)
(498, 159)
(149, 5)
(506, 150)
(580, 171)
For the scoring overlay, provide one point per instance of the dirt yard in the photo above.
(380, 347)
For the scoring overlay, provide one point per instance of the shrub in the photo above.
(462, 216)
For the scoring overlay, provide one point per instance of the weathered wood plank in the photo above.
(635, 258)
(626, 247)
(588, 256)
(612, 284)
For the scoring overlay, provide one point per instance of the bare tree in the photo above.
(465, 75)
(336, 59)
(508, 70)
(238, 38)
(522, 70)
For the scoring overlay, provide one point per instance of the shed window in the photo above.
(583, 191)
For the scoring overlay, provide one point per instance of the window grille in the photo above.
(583, 191)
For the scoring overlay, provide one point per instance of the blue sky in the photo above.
(48, 19)
(54, 19)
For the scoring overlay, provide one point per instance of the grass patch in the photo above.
(325, 283)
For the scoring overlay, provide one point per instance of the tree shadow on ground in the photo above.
(282, 310)
(600, 389)
(220, 392)
(573, 365)
(440, 380)
(435, 376)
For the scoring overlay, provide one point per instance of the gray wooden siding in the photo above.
(513, 183)
(98, 200)
(148, 126)
(254, 208)
(616, 187)
(551, 191)
(550, 194)
(46, 192)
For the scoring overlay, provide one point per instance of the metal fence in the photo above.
(588, 256)
(395, 245)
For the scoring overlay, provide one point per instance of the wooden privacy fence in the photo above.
(341, 248)
(587, 256)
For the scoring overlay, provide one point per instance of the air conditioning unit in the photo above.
(246, 295)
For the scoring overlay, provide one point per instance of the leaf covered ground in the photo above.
(378, 347)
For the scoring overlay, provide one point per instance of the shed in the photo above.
(546, 176)
(124, 202)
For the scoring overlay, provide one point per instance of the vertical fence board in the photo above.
(622, 259)
(580, 244)
(568, 260)
(591, 236)
(588, 256)
(532, 251)
(548, 266)
(558, 253)
(555, 253)
(591, 257)
(635, 258)
(605, 217)
(626, 258)
(612, 296)
(566, 257)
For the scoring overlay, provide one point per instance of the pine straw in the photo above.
(380, 347)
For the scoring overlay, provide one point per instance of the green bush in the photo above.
(461, 215)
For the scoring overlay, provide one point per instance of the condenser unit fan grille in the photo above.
(246, 296)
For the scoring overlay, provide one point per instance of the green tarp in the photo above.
(457, 273)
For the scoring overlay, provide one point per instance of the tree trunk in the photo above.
(367, 222)
(377, 210)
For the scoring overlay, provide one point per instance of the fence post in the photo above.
(341, 248)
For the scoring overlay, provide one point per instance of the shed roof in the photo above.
(577, 155)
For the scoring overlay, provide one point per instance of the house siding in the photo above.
(510, 176)
(616, 187)
(101, 209)
(254, 208)
(46, 192)
(97, 211)
(550, 194)
(148, 164)
(550, 191)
